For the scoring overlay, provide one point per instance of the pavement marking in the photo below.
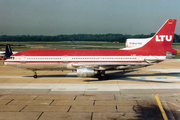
(161, 77)
(161, 108)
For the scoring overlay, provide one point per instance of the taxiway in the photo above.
(147, 93)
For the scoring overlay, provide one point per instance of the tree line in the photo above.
(77, 37)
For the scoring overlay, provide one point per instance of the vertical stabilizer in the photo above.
(8, 52)
(163, 39)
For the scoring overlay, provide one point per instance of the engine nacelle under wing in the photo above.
(85, 72)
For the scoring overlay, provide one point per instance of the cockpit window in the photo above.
(12, 58)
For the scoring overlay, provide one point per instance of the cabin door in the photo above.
(65, 59)
(23, 59)
(140, 58)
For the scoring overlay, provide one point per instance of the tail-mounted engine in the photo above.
(170, 55)
(85, 72)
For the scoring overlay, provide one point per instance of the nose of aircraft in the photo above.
(5, 62)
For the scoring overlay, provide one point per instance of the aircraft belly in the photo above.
(45, 66)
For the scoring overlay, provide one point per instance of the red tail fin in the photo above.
(164, 37)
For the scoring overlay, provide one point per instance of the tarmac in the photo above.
(147, 93)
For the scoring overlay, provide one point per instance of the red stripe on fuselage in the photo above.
(72, 61)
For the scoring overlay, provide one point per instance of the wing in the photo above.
(106, 66)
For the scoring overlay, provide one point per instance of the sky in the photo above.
(55, 17)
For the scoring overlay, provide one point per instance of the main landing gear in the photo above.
(101, 75)
(35, 74)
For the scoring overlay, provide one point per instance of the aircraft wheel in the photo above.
(35, 76)
(105, 77)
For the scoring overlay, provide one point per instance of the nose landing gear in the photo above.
(35, 74)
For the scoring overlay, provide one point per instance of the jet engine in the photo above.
(170, 55)
(85, 72)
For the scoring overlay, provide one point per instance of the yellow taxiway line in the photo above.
(161, 108)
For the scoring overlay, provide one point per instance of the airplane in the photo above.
(94, 63)
(7, 53)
